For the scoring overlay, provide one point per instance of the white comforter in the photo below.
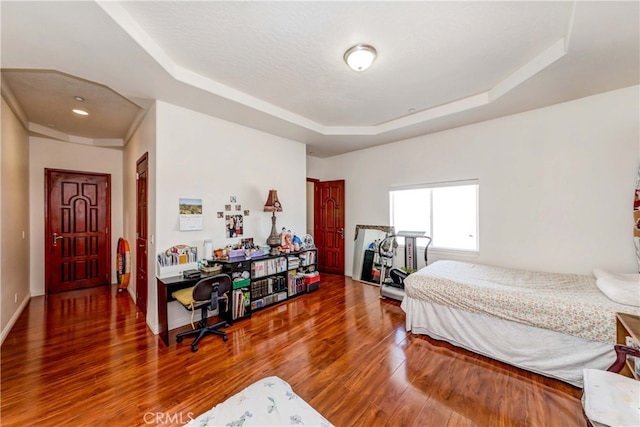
(268, 402)
(566, 303)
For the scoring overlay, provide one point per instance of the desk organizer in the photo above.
(175, 260)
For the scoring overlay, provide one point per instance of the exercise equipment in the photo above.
(393, 285)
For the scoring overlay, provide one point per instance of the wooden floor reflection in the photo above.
(88, 358)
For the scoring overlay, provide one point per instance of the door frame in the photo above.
(47, 226)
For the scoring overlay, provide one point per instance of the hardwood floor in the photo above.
(87, 358)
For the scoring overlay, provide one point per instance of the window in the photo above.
(448, 212)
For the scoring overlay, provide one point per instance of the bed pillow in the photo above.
(620, 288)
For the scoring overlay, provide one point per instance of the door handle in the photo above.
(341, 232)
(55, 239)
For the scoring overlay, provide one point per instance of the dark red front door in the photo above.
(77, 235)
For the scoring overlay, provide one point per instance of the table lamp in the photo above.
(273, 205)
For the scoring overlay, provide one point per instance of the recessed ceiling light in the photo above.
(412, 110)
(80, 112)
(78, 98)
(360, 56)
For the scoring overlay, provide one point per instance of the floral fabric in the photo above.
(268, 402)
(566, 303)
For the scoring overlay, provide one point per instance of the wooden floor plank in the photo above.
(87, 358)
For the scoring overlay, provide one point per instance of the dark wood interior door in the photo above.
(142, 173)
(77, 236)
(329, 225)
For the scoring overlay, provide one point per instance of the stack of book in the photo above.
(294, 262)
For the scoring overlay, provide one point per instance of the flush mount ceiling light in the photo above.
(360, 56)
(80, 112)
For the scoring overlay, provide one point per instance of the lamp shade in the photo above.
(272, 204)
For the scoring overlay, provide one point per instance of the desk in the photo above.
(166, 287)
(262, 277)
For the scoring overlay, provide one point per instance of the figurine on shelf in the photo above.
(288, 239)
(285, 240)
(297, 243)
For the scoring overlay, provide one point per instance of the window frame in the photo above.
(444, 184)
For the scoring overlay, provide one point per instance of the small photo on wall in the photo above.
(238, 207)
(246, 213)
(220, 214)
(227, 208)
(233, 199)
(234, 226)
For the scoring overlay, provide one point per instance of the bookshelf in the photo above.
(268, 281)
(264, 281)
(302, 273)
(239, 269)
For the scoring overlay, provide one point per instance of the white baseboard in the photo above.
(14, 318)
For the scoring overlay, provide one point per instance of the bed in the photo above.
(268, 402)
(552, 324)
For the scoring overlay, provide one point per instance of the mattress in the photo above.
(570, 304)
(552, 324)
(538, 350)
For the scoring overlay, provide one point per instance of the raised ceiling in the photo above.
(278, 67)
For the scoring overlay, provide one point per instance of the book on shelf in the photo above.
(295, 282)
(293, 262)
(241, 303)
(258, 269)
(307, 258)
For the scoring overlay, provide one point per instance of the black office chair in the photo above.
(209, 294)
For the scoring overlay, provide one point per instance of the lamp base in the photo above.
(274, 239)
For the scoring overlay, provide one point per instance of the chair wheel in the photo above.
(194, 348)
(178, 339)
(225, 338)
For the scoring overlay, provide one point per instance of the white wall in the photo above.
(556, 184)
(52, 154)
(14, 218)
(200, 156)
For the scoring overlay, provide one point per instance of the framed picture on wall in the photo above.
(234, 226)
(190, 214)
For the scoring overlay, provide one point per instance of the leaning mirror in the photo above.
(366, 261)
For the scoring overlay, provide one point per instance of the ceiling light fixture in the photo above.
(78, 98)
(80, 112)
(360, 56)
